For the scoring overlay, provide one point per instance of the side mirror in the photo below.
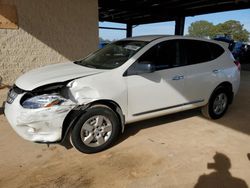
(146, 66)
(141, 68)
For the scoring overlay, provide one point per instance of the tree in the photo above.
(201, 29)
(231, 28)
(234, 29)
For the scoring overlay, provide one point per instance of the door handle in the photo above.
(178, 77)
(216, 71)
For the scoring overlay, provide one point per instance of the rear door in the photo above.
(202, 69)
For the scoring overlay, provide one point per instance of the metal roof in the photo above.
(136, 12)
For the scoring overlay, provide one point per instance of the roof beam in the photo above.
(151, 11)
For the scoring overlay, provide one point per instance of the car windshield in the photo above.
(113, 55)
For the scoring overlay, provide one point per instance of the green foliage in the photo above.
(232, 28)
(201, 29)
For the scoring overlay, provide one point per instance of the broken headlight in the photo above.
(43, 101)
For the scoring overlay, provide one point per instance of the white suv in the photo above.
(90, 101)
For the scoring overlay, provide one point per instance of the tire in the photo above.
(96, 130)
(218, 103)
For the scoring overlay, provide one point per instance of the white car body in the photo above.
(139, 97)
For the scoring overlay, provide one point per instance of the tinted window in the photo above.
(216, 50)
(196, 51)
(149, 56)
(167, 53)
(164, 55)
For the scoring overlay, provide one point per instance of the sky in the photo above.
(168, 27)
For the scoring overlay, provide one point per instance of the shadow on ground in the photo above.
(237, 117)
(133, 128)
(1, 110)
(245, 67)
(221, 177)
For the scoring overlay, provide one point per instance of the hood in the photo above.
(52, 74)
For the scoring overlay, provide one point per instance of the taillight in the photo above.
(237, 63)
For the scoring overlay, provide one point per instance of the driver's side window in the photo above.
(162, 56)
(142, 65)
(149, 56)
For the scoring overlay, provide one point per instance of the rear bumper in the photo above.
(38, 125)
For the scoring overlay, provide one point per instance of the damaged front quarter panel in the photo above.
(41, 124)
(44, 124)
(82, 94)
(47, 124)
(105, 91)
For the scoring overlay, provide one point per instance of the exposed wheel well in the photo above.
(75, 113)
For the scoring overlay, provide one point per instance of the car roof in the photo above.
(147, 38)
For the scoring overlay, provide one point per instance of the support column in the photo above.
(129, 30)
(179, 25)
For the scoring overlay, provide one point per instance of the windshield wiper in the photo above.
(90, 66)
(84, 64)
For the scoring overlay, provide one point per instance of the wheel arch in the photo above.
(75, 114)
(228, 86)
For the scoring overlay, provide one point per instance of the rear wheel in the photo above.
(218, 104)
(96, 130)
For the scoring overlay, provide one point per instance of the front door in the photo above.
(162, 89)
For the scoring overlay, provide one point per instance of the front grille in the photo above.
(11, 96)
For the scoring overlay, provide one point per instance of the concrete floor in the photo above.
(181, 150)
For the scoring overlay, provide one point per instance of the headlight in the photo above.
(43, 101)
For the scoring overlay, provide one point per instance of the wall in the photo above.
(49, 32)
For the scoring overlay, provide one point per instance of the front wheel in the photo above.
(96, 129)
(217, 105)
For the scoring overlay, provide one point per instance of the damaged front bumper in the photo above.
(37, 125)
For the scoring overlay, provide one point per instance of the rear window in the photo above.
(197, 51)
(216, 50)
(201, 51)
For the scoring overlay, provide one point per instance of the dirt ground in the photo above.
(181, 150)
